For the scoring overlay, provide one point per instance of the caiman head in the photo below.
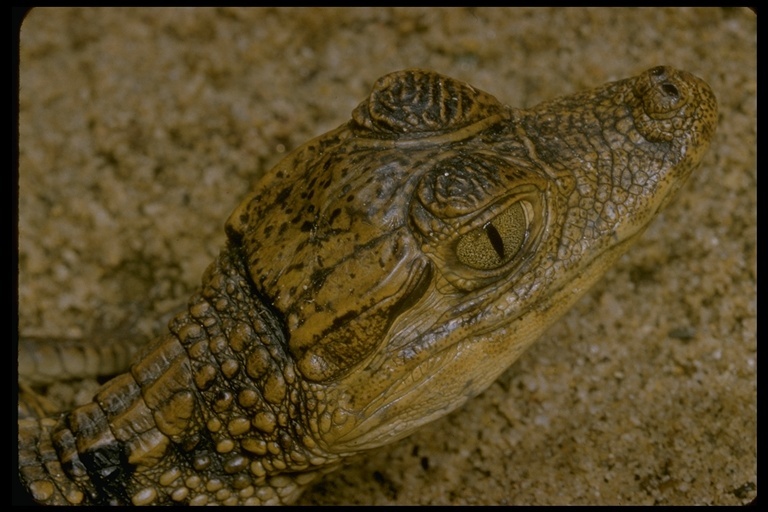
(415, 252)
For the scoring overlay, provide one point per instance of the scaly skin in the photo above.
(376, 279)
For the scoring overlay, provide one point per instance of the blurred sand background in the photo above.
(141, 129)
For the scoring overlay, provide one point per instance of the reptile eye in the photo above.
(497, 242)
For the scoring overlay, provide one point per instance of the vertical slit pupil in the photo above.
(495, 238)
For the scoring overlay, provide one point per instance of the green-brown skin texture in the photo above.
(377, 278)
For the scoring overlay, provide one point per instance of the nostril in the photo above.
(670, 90)
(657, 71)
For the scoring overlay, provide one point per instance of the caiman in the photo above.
(377, 278)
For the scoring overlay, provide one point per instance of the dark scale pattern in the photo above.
(376, 279)
(417, 101)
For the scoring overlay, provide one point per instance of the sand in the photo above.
(141, 129)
